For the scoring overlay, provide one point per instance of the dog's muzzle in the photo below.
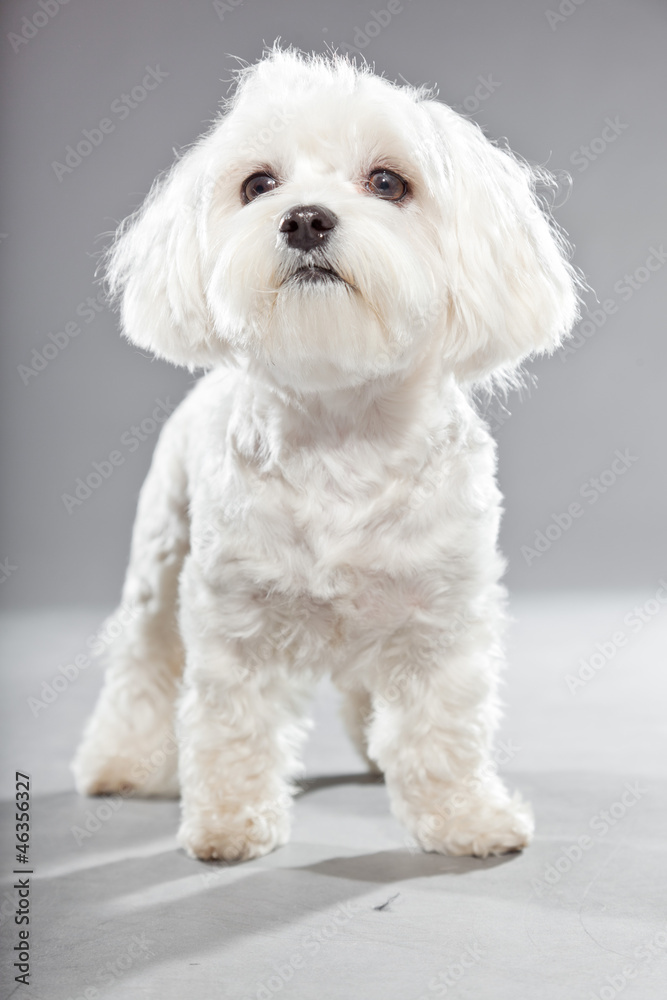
(307, 229)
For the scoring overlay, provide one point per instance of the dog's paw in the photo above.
(103, 776)
(116, 773)
(226, 836)
(476, 826)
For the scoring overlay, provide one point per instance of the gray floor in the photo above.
(126, 915)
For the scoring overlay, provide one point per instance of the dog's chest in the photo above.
(346, 559)
(362, 532)
(348, 536)
(334, 525)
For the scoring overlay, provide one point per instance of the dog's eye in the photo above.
(258, 184)
(387, 185)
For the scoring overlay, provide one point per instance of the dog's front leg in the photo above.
(129, 743)
(238, 734)
(241, 723)
(431, 735)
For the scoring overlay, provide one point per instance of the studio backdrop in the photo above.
(98, 95)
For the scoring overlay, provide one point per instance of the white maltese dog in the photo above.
(350, 259)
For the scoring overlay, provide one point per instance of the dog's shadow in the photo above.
(386, 867)
(389, 866)
(307, 785)
(123, 878)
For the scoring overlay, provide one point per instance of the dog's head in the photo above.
(335, 228)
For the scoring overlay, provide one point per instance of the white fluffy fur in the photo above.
(325, 498)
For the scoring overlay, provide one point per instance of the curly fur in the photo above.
(325, 499)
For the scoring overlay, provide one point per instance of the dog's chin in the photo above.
(319, 334)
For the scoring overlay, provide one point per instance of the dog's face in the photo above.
(323, 254)
(336, 228)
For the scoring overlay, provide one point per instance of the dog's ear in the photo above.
(510, 289)
(154, 270)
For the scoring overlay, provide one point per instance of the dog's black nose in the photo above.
(307, 226)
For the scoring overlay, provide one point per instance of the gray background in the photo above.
(221, 930)
(557, 85)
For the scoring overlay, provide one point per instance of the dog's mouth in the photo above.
(315, 274)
